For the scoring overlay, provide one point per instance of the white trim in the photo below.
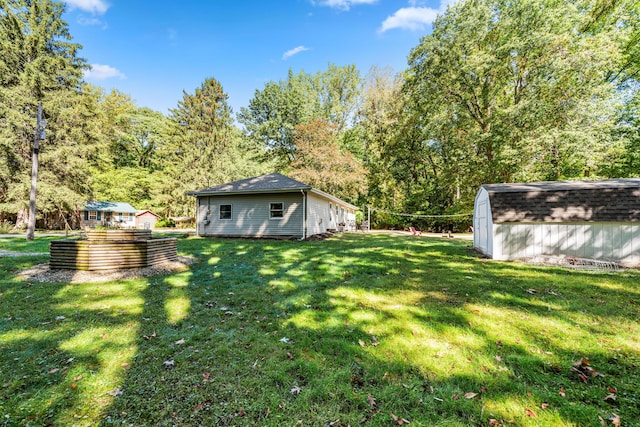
(220, 211)
(276, 218)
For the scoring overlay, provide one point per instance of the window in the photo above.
(92, 214)
(130, 216)
(86, 215)
(120, 216)
(225, 211)
(276, 210)
(98, 215)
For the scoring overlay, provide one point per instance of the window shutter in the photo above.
(86, 215)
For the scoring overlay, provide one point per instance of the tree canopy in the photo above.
(499, 91)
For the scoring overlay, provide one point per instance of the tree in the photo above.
(38, 64)
(505, 91)
(206, 149)
(322, 163)
(274, 112)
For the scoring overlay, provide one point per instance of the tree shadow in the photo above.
(347, 331)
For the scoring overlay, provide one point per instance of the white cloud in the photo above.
(103, 72)
(414, 17)
(97, 7)
(343, 4)
(294, 51)
(87, 22)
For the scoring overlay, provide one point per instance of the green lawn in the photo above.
(354, 330)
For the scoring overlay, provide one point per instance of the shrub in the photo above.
(165, 223)
(6, 227)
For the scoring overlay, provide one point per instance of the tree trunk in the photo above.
(31, 227)
(22, 218)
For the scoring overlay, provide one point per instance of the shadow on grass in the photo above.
(345, 331)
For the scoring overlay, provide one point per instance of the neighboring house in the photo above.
(108, 214)
(269, 206)
(146, 219)
(583, 219)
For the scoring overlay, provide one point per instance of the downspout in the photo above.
(197, 212)
(304, 214)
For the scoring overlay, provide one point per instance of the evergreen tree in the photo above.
(38, 66)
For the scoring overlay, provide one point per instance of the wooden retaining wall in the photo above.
(126, 234)
(111, 254)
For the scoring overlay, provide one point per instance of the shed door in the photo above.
(481, 227)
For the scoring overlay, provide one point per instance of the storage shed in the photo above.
(583, 219)
(270, 205)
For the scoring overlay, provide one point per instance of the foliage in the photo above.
(39, 65)
(6, 227)
(320, 162)
(206, 149)
(274, 112)
(165, 223)
(349, 330)
(501, 92)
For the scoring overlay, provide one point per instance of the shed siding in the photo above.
(250, 215)
(606, 241)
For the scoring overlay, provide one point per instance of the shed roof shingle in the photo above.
(613, 200)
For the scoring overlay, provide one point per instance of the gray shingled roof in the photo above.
(272, 182)
(613, 200)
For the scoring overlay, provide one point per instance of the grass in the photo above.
(354, 330)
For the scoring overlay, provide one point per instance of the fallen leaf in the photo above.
(531, 291)
(78, 378)
(74, 385)
(455, 396)
(295, 390)
(470, 395)
(179, 342)
(615, 420)
(124, 364)
(530, 413)
(399, 420)
(372, 401)
(611, 397)
(53, 371)
(148, 337)
(285, 340)
(544, 405)
(493, 422)
(116, 392)
(612, 390)
(561, 392)
(362, 343)
(498, 359)
(169, 363)
(289, 355)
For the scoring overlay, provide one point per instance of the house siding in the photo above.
(250, 215)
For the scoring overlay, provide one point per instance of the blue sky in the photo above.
(155, 50)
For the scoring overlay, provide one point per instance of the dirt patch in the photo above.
(42, 272)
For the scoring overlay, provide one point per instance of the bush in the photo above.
(6, 227)
(165, 223)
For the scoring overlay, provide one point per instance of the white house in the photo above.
(584, 219)
(108, 213)
(271, 205)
